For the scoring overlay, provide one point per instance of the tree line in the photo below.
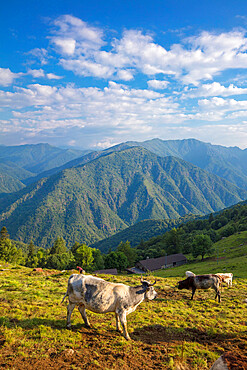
(60, 257)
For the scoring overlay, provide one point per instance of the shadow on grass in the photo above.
(157, 334)
(54, 324)
(32, 323)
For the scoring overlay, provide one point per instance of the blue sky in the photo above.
(93, 74)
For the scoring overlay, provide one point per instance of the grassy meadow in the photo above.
(171, 332)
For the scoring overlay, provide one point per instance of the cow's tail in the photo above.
(66, 294)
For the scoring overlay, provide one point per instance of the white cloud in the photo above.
(158, 84)
(39, 54)
(125, 75)
(107, 143)
(39, 73)
(66, 46)
(83, 67)
(52, 76)
(36, 73)
(7, 77)
(72, 34)
(217, 103)
(197, 58)
(116, 107)
(214, 89)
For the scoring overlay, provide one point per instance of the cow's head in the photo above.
(185, 284)
(150, 293)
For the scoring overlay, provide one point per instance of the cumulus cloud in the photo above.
(40, 73)
(116, 106)
(215, 89)
(71, 34)
(66, 46)
(222, 104)
(195, 59)
(158, 84)
(83, 67)
(36, 73)
(7, 77)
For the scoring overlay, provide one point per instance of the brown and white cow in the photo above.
(201, 282)
(100, 296)
(226, 277)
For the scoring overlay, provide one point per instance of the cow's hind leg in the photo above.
(118, 326)
(70, 308)
(217, 291)
(123, 320)
(82, 310)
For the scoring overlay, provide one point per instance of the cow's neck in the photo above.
(137, 294)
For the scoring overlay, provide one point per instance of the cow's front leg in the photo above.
(70, 308)
(123, 320)
(118, 327)
(193, 292)
(82, 310)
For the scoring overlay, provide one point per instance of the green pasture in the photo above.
(166, 333)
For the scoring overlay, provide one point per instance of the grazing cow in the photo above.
(201, 282)
(226, 277)
(100, 296)
(189, 273)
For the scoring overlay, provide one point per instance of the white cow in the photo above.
(100, 296)
(226, 277)
(189, 273)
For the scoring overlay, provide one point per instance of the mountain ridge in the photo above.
(226, 162)
(97, 199)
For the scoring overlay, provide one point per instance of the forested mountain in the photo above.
(229, 163)
(9, 184)
(93, 201)
(18, 163)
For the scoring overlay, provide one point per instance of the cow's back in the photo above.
(206, 281)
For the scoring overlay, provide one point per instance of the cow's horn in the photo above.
(153, 283)
(141, 279)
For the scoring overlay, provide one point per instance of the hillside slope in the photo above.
(100, 198)
(25, 161)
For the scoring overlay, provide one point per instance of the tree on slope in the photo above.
(59, 257)
(129, 252)
(84, 256)
(202, 245)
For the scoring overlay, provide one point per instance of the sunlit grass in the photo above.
(168, 331)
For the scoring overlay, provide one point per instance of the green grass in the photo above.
(167, 332)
